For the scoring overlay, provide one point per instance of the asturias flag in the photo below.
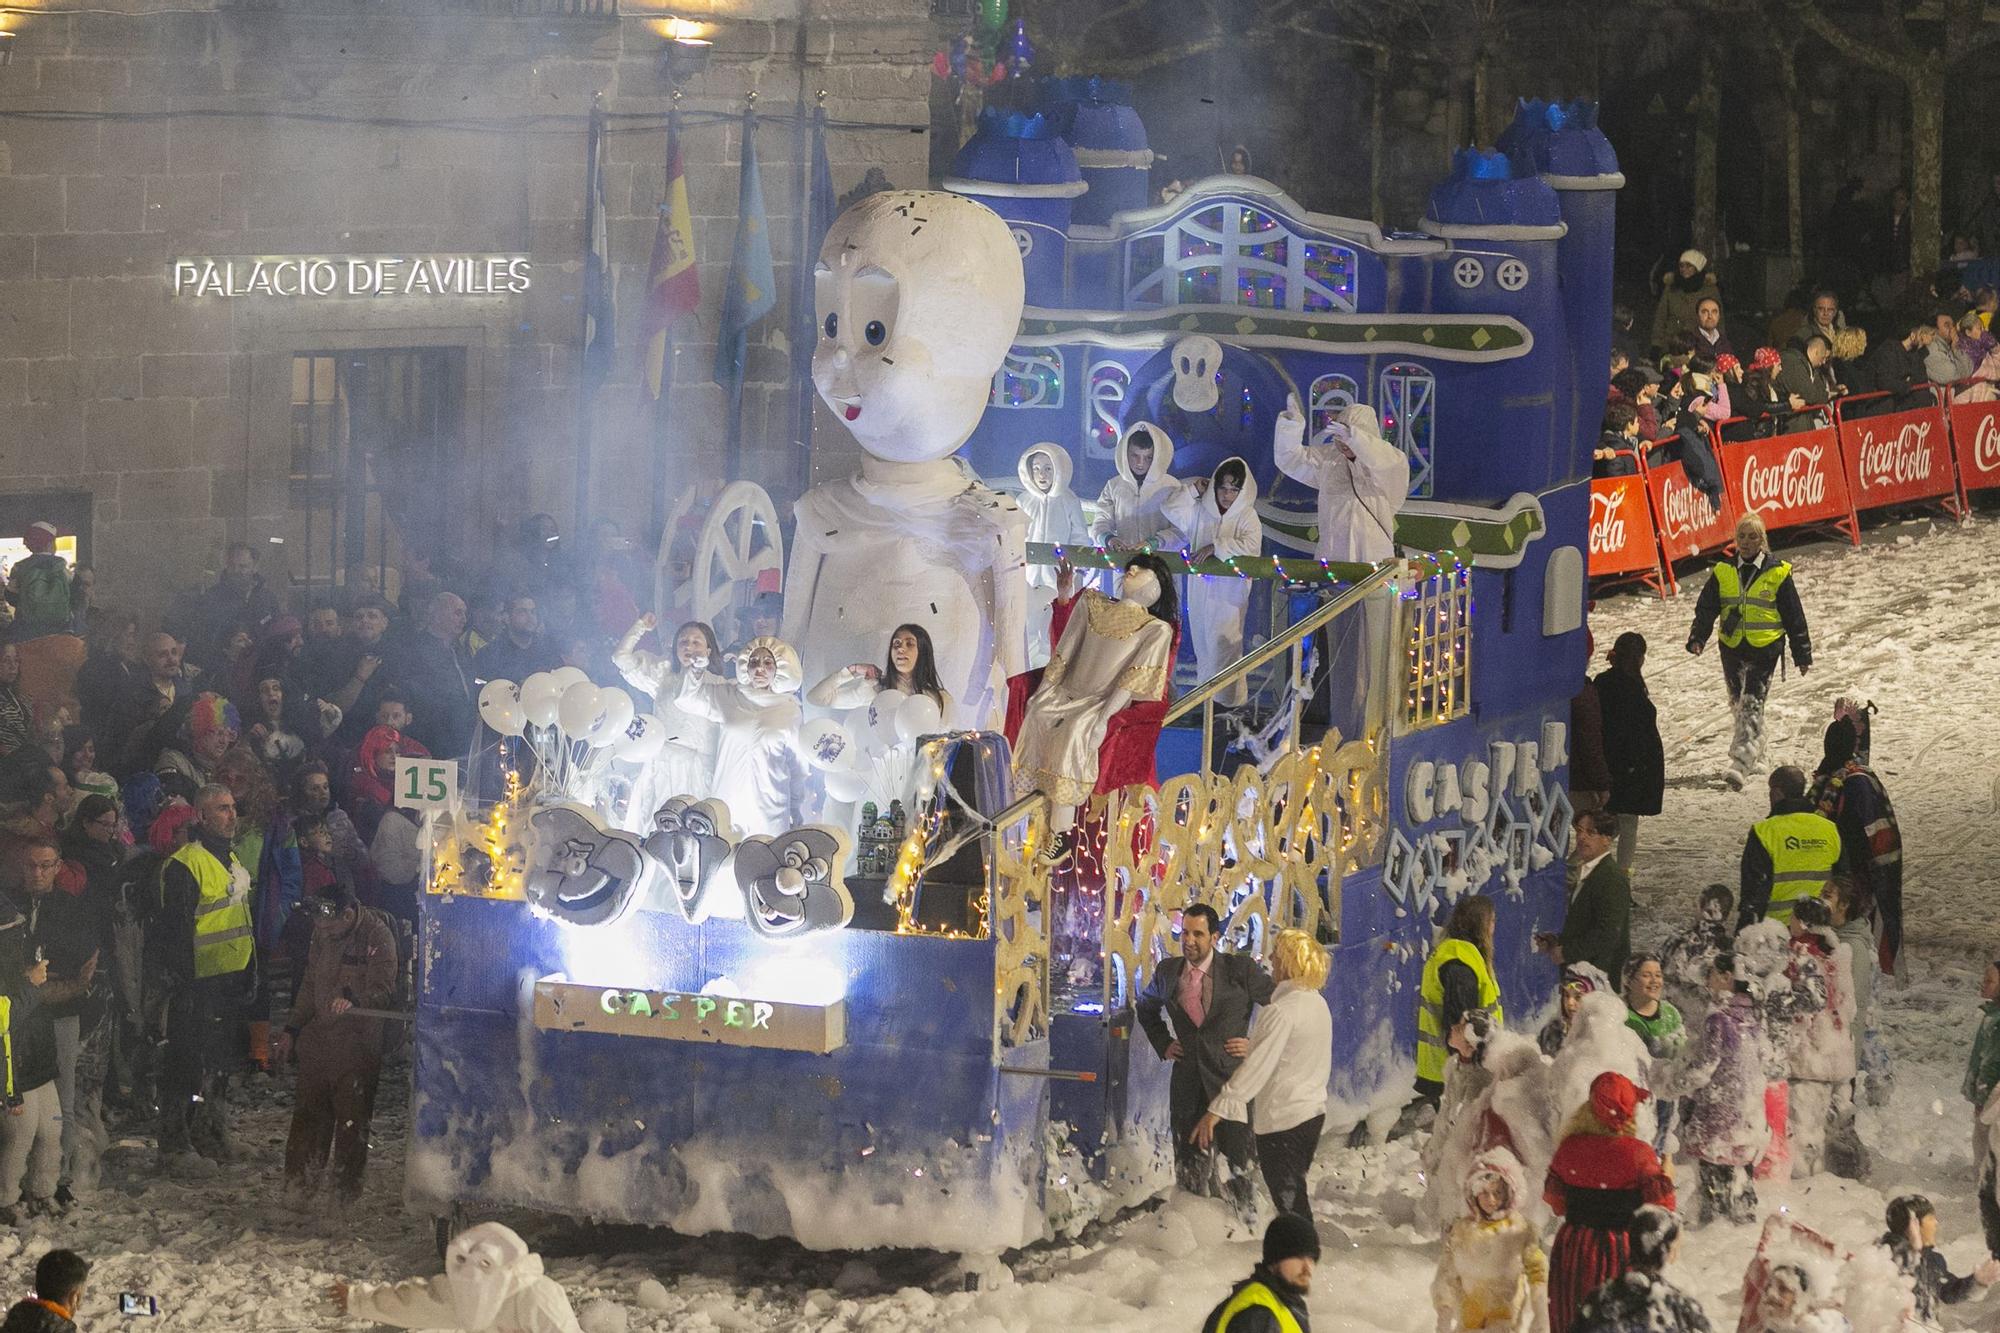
(673, 283)
(753, 287)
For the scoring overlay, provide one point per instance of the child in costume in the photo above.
(1492, 1273)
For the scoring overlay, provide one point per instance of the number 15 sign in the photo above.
(426, 784)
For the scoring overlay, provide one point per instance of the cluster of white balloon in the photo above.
(857, 761)
(574, 727)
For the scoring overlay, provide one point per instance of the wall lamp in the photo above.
(688, 49)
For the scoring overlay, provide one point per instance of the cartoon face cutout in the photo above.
(691, 840)
(917, 296)
(1196, 360)
(578, 870)
(792, 883)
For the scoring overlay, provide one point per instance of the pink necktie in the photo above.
(1191, 996)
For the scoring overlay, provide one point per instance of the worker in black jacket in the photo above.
(1757, 604)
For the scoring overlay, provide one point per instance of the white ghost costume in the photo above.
(760, 771)
(1112, 653)
(1129, 515)
(1359, 496)
(1216, 602)
(686, 763)
(918, 296)
(1055, 518)
(492, 1283)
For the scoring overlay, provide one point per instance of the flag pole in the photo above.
(805, 332)
(583, 372)
(734, 447)
(661, 415)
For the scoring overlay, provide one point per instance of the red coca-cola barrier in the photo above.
(1897, 457)
(1975, 433)
(1622, 540)
(1792, 481)
(1689, 526)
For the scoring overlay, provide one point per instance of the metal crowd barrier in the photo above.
(1875, 451)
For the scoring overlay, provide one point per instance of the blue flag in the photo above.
(600, 328)
(753, 287)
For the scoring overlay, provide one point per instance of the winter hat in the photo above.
(40, 536)
(1839, 745)
(1615, 1099)
(1765, 358)
(210, 713)
(1695, 258)
(1727, 364)
(1290, 1237)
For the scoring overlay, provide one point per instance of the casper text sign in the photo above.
(310, 277)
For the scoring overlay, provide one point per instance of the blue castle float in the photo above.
(971, 1082)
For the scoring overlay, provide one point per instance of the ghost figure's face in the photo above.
(579, 871)
(792, 884)
(483, 1267)
(1196, 361)
(690, 840)
(1042, 471)
(918, 296)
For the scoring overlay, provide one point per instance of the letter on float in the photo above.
(611, 1002)
(703, 1007)
(760, 1015)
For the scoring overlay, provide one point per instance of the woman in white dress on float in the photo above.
(874, 697)
(686, 763)
(760, 771)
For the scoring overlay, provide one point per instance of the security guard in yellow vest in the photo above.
(1788, 855)
(209, 961)
(1433, 1056)
(1756, 604)
(1273, 1298)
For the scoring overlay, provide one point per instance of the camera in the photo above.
(132, 1303)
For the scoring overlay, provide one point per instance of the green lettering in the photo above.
(703, 1007)
(732, 1015)
(639, 1006)
(667, 1009)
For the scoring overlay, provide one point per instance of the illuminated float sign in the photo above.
(310, 277)
(562, 1005)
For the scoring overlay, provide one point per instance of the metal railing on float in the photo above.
(1928, 445)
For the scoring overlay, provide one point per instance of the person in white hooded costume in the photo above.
(918, 296)
(1130, 508)
(492, 1283)
(686, 763)
(760, 772)
(1055, 518)
(1218, 515)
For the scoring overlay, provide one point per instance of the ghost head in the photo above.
(918, 296)
(691, 839)
(485, 1267)
(1196, 360)
(792, 883)
(579, 870)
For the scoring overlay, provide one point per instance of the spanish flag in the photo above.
(673, 283)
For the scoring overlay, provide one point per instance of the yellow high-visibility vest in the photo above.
(222, 926)
(1256, 1296)
(1803, 847)
(1431, 1050)
(1758, 622)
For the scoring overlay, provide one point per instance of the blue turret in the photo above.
(1097, 118)
(1018, 166)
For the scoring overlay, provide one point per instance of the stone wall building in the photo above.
(334, 432)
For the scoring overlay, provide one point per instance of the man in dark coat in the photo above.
(1633, 753)
(1597, 928)
(1896, 366)
(1871, 841)
(1208, 997)
(1276, 1289)
(437, 675)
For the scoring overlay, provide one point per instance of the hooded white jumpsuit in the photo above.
(1216, 602)
(1128, 510)
(1055, 516)
(760, 772)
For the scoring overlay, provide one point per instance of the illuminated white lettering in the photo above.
(517, 275)
(212, 283)
(186, 273)
(611, 1001)
(760, 1014)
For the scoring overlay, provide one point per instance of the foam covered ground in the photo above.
(1911, 620)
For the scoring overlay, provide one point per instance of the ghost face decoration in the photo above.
(579, 871)
(691, 839)
(486, 1266)
(1196, 361)
(918, 297)
(792, 883)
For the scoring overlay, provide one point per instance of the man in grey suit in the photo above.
(1208, 997)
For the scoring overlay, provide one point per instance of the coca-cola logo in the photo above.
(1684, 511)
(1986, 444)
(1795, 482)
(1607, 528)
(1899, 460)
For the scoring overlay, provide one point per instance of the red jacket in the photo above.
(1609, 1162)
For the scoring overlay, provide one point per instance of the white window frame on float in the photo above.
(1229, 243)
(1403, 412)
(1437, 638)
(1021, 366)
(1110, 384)
(1331, 394)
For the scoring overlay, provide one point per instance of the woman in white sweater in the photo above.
(1285, 1073)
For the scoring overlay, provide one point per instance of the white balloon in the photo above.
(919, 716)
(500, 707)
(829, 745)
(881, 718)
(540, 698)
(642, 738)
(617, 716)
(579, 710)
(568, 676)
(845, 785)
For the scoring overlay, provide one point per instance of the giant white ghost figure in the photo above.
(492, 1283)
(918, 296)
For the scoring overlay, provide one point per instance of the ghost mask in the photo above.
(485, 1267)
(691, 839)
(918, 296)
(1196, 361)
(581, 872)
(792, 883)
(1141, 587)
